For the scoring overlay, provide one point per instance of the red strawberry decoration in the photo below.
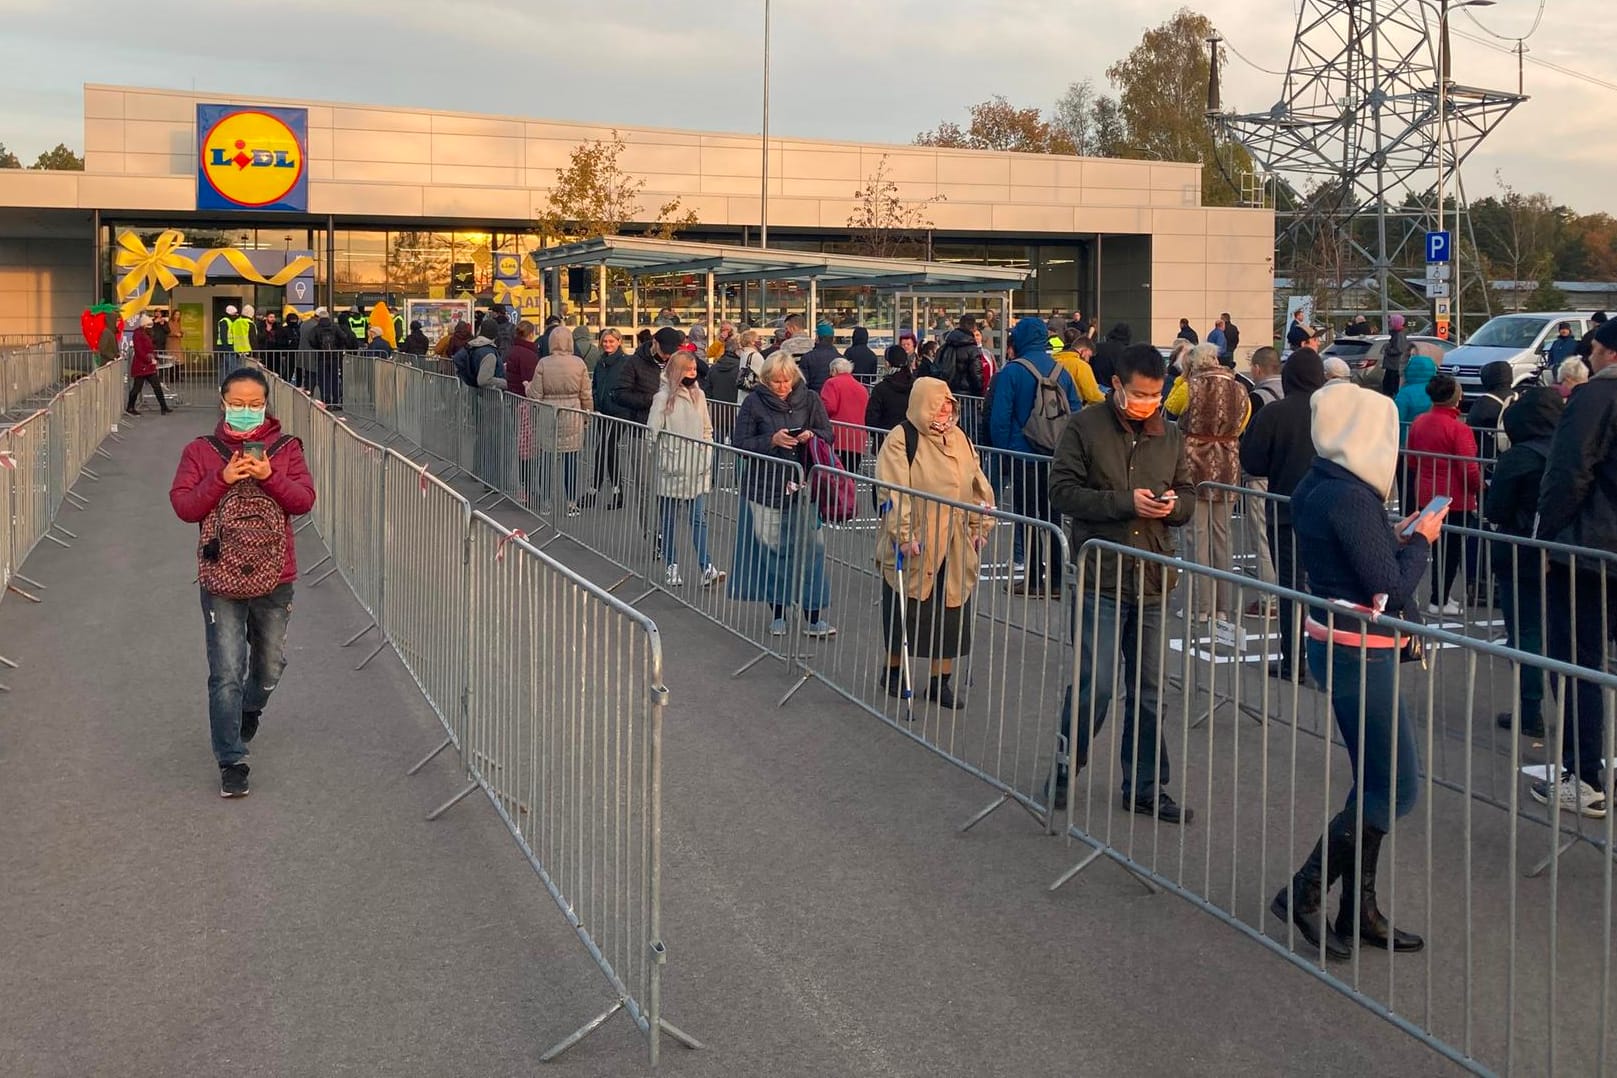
(95, 319)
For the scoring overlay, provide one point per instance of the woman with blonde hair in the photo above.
(752, 361)
(929, 552)
(681, 437)
(562, 380)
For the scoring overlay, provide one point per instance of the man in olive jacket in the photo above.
(1120, 474)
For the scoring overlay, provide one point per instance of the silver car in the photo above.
(1522, 340)
(1363, 354)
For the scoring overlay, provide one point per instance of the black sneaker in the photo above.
(233, 780)
(1055, 791)
(1532, 727)
(1161, 806)
(249, 724)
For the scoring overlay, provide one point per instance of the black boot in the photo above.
(1373, 928)
(943, 694)
(1300, 901)
(895, 681)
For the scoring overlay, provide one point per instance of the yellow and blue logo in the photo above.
(252, 158)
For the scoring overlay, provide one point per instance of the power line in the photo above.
(1537, 19)
(1567, 71)
(1242, 56)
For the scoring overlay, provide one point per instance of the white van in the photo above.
(1522, 340)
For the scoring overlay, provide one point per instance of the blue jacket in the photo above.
(1013, 392)
(1215, 337)
(1347, 545)
(1412, 399)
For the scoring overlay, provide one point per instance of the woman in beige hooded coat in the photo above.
(561, 379)
(933, 548)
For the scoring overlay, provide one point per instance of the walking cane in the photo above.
(907, 686)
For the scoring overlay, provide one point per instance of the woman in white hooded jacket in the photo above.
(682, 444)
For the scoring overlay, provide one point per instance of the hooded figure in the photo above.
(930, 454)
(1016, 387)
(1498, 379)
(1412, 399)
(1107, 352)
(890, 401)
(416, 343)
(860, 355)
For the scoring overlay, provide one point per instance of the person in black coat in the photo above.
(604, 379)
(1279, 446)
(724, 376)
(889, 403)
(958, 362)
(1577, 506)
(1510, 504)
(1498, 379)
(1586, 345)
(639, 381)
(415, 342)
(816, 362)
(865, 364)
(1188, 334)
(1107, 353)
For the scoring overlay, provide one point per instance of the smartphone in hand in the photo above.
(1433, 507)
(253, 449)
(1168, 497)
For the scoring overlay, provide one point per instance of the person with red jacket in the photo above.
(143, 369)
(1444, 452)
(845, 399)
(245, 637)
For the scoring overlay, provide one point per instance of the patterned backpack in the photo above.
(241, 549)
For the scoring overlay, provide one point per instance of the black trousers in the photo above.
(1288, 574)
(1577, 628)
(1030, 493)
(134, 392)
(606, 456)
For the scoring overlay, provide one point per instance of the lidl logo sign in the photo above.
(252, 158)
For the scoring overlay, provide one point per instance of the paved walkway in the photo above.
(823, 917)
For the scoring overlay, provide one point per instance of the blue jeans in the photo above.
(697, 509)
(1381, 709)
(1134, 629)
(246, 654)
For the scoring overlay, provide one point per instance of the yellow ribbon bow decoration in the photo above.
(511, 293)
(148, 269)
(154, 268)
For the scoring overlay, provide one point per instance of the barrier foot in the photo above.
(679, 1035)
(1538, 870)
(355, 638)
(791, 692)
(7, 662)
(15, 590)
(584, 1031)
(750, 663)
(58, 542)
(322, 578)
(306, 522)
(471, 787)
(993, 808)
(366, 661)
(65, 532)
(1096, 854)
(29, 582)
(649, 591)
(622, 580)
(101, 451)
(427, 759)
(88, 472)
(78, 500)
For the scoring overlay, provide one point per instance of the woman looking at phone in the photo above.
(1353, 556)
(233, 484)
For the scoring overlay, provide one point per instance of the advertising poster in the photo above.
(185, 332)
(437, 316)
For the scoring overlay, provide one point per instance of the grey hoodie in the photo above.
(488, 365)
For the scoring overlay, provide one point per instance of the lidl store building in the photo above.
(283, 202)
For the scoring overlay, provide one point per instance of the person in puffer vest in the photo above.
(245, 637)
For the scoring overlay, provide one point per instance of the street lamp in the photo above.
(1442, 109)
(763, 203)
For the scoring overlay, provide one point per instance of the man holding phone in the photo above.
(1120, 474)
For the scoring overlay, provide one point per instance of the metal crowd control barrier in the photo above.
(1516, 970)
(27, 373)
(550, 690)
(41, 458)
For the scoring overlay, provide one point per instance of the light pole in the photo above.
(763, 202)
(1442, 121)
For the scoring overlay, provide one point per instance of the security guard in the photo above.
(358, 322)
(224, 342)
(242, 328)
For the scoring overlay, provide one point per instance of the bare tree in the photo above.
(884, 223)
(593, 198)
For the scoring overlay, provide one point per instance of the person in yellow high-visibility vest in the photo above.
(241, 332)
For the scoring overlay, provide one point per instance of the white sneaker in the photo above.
(712, 575)
(821, 628)
(674, 579)
(1575, 795)
(1449, 609)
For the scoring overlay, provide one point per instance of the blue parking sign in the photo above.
(1438, 246)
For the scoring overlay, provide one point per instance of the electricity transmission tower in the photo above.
(1364, 144)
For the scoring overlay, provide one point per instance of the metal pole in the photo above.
(331, 262)
(1442, 124)
(813, 303)
(601, 287)
(712, 326)
(1381, 177)
(634, 306)
(98, 286)
(763, 204)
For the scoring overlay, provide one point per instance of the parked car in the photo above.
(1522, 340)
(1363, 354)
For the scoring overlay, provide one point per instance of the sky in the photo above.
(842, 69)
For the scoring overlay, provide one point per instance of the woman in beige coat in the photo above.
(936, 547)
(562, 380)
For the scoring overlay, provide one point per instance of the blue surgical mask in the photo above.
(242, 420)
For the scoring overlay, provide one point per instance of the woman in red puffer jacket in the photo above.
(1443, 452)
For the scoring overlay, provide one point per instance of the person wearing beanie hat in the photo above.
(1394, 354)
(1586, 345)
(1576, 506)
(642, 377)
(816, 362)
(890, 398)
(1352, 555)
(1120, 476)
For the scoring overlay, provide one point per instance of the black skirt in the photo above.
(936, 630)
